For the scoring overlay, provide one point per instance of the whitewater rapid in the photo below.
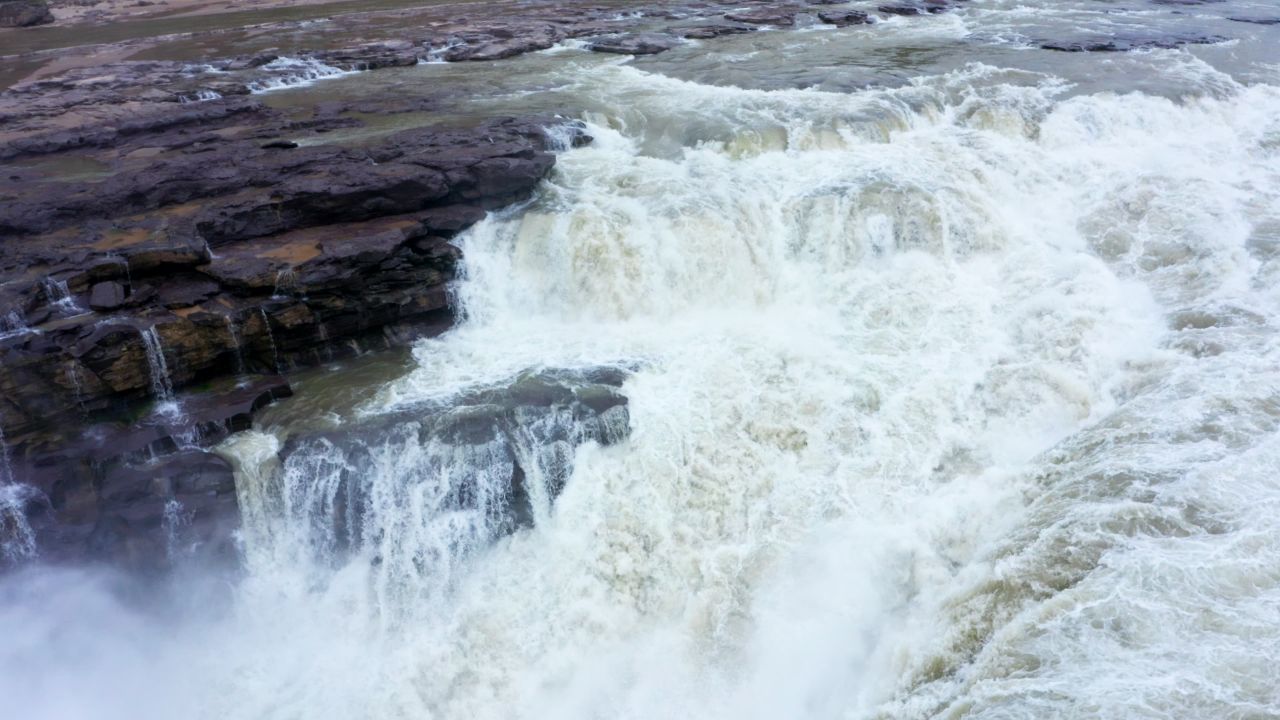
(958, 399)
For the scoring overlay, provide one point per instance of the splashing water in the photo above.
(955, 399)
(59, 296)
(290, 72)
(161, 383)
(869, 327)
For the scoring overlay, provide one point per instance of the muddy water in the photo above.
(955, 392)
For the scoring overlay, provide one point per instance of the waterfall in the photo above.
(59, 296)
(161, 384)
(322, 332)
(13, 323)
(128, 273)
(422, 492)
(951, 383)
(6, 469)
(173, 520)
(236, 344)
(17, 540)
(271, 339)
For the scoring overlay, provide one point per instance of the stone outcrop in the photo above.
(211, 243)
(1125, 42)
(844, 18)
(634, 44)
(24, 13)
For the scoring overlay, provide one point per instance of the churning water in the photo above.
(956, 398)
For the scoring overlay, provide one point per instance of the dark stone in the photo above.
(924, 7)
(137, 495)
(279, 145)
(843, 18)
(1256, 20)
(106, 296)
(24, 13)
(635, 44)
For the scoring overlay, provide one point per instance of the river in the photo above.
(954, 391)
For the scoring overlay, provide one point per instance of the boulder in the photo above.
(106, 296)
(24, 13)
(634, 44)
(764, 16)
(843, 18)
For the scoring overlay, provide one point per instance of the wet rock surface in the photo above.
(24, 13)
(143, 493)
(843, 18)
(1125, 42)
(634, 44)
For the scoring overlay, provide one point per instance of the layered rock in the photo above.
(210, 242)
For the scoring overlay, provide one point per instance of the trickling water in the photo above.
(323, 333)
(436, 55)
(173, 520)
(128, 273)
(6, 469)
(161, 384)
(286, 283)
(77, 382)
(271, 339)
(293, 72)
(235, 344)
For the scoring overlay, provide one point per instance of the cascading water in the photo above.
(161, 383)
(286, 72)
(954, 399)
(423, 491)
(236, 345)
(17, 541)
(271, 339)
(59, 296)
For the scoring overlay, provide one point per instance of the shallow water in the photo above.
(956, 393)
